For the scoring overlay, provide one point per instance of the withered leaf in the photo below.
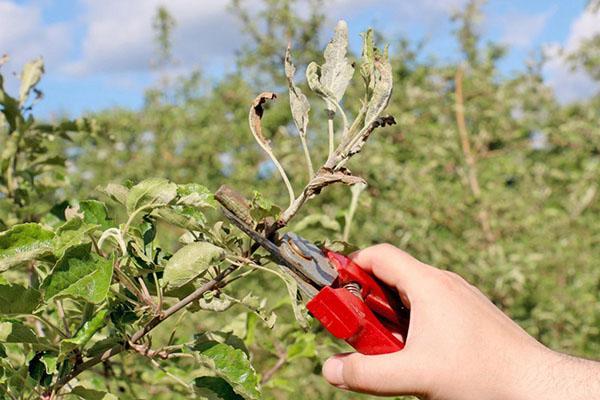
(255, 115)
(298, 101)
(326, 177)
(382, 89)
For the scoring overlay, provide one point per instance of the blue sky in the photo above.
(98, 53)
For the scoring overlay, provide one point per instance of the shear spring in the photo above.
(354, 288)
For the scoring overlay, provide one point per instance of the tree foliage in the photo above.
(121, 278)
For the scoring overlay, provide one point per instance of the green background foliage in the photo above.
(484, 174)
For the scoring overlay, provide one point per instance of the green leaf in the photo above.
(303, 347)
(261, 207)
(16, 332)
(91, 394)
(232, 365)
(79, 274)
(24, 243)
(191, 261)
(71, 233)
(312, 220)
(95, 213)
(30, 76)
(215, 388)
(50, 361)
(85, 333)
(153, 191)
(17, 299)
(195, 195)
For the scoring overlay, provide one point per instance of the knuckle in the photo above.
(448, 279)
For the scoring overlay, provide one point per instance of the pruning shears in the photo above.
(349, 302)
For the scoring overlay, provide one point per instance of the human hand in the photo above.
(459, 345)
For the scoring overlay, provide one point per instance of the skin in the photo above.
(459, 345)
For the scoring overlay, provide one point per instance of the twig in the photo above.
(331, 133)
(281, 360)
(137, 336)
(470, 160)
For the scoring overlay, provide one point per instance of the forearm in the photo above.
(563, 377)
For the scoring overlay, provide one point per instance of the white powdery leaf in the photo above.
(298, 102)
(382, 90)
(337, 71)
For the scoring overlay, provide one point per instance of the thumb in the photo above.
(386, 374)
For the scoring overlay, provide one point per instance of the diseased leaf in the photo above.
(215, 388)
(368, 58)
(382, 90)
(190, 262)
(337, 71)
(31, 75)
(152, 191)
(326, 177)
(24, 242)
(90, 394)
(79, 273)
(314, 83)
(17, 299)
(232, 365)
(298, 102)
(195, 195)
(292, 287)
(255, 115)
(215, 302)
(116, 192)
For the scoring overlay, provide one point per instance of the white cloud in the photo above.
(572, 85)
(521, 30)
(24, 35)
(119, 35)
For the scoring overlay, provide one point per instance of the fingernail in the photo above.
(332, 371)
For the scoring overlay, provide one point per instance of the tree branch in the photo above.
(470, 160)
(137, 336)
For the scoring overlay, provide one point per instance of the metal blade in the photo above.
(290, 266)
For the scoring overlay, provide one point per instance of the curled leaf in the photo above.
(255, 115)
(326, 177)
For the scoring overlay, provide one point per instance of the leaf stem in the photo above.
(309, 164)
(349, 215)
(331, 133)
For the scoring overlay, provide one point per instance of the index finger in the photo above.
(392, 266)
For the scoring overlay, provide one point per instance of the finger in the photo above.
(391, 265)
(374, 374)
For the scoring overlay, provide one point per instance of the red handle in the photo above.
(352, 318)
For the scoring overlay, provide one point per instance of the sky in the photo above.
(98, 53)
